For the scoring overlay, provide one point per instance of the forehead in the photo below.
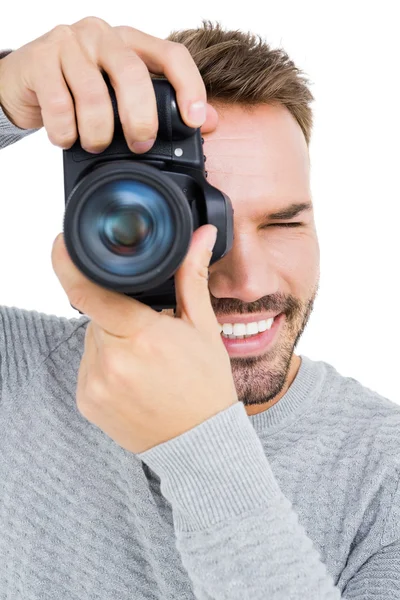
(258, 157)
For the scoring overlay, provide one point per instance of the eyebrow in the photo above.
(291, 211)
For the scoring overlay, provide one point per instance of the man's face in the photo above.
(260, 160)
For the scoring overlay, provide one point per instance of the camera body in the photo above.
(129, 218)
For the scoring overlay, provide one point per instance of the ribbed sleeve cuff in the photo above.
(10, 133)
(4, 53)
(214, 472)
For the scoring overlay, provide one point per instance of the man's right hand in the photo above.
(34, 82)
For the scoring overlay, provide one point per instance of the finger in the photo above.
(191, 283)
(211, 121)
(117, 314)
(93, 108)
(136, 99)
(173, 60)
(56, 103)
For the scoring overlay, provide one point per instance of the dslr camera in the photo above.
(129, 218)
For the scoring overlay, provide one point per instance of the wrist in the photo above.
(3, 54)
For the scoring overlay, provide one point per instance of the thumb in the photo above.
(193, 302)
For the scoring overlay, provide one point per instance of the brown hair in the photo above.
(238, 69)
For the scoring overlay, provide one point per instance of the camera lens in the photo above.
(126, 218)
(125, 229)
(127, 226)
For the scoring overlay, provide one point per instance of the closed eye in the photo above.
(283, 225)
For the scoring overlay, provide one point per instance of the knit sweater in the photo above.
(300, 501)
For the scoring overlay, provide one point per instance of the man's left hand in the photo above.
(146, 377)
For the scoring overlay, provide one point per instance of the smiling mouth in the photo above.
(238, 331)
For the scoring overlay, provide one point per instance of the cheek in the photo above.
(296, 258)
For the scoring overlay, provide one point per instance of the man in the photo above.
(144, 456)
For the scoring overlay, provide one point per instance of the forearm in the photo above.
(237, 533)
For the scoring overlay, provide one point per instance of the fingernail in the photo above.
(141, 147)
(197, 113)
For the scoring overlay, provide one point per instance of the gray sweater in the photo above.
(301, 501)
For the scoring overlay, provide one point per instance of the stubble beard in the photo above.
(259, 379)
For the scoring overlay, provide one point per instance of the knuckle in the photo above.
(62, 32)
(94, 392)
(95, 388)
(62, 139)
(112, 365)
(92, 94)
(95, 119)
(109, 362)
(123, 29)
(148, 339)
(92, 21)
(176, 49)
(142, 337)
(59, 106)
(133, 67)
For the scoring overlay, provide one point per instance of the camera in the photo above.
(129, 218)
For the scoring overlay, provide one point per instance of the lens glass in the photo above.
(126, 226)
(126, 229)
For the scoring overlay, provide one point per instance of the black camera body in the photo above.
(129, 218)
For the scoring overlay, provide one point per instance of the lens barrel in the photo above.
(127, 226)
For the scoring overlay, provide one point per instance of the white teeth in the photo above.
(240, 330)
(251, 328)
(227, 328)
(263, 325)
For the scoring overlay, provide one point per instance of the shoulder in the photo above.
(365, 417)
(28, 337)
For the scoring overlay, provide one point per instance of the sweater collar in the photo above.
(303, 391)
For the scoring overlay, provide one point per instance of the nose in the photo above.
(247, 272)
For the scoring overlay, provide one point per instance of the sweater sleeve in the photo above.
(27, 338)
(10, 133)
(238, 535)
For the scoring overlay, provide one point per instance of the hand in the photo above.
(147, 377)
(34, 82)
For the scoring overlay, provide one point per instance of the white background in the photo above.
(350, 50)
